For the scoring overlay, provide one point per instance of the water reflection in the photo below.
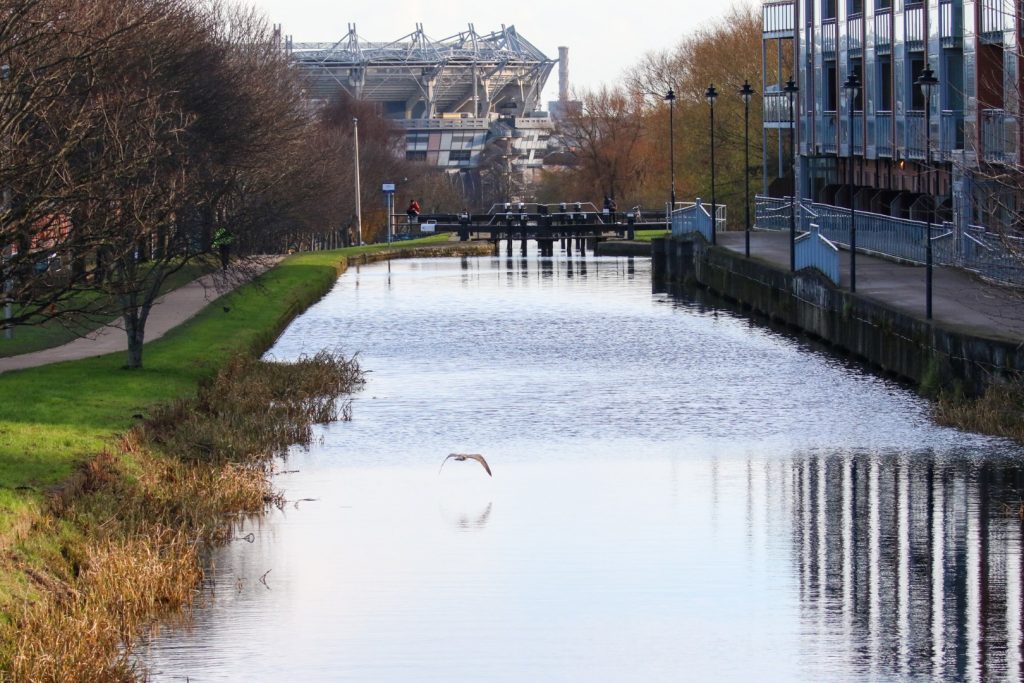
(678, 494)
(465, 521)
(910, 565)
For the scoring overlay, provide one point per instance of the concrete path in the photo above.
(960, 300)
(168, 312)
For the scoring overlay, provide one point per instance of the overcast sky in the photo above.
(604, 36)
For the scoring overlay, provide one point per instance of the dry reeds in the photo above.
(256, 410)
(999, 411)
(131, 524)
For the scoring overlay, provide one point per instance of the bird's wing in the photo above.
(480, 459)
(450, 456)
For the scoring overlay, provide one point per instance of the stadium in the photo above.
(467, 102)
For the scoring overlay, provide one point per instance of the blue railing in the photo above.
(993, 255)
(691, 218)
(814, 251)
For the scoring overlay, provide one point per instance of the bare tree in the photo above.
(608, 141)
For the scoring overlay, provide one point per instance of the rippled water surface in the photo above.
(678, 494)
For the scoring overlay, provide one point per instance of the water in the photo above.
(678, 494)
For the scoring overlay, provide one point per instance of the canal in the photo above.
(679, 493)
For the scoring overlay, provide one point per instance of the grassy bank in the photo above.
(78, 454)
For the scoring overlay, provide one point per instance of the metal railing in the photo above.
(993, 255)
(998, 136)
(995, 16)
(883, 134)
(952, 133)
(829, 36)
(812, 250)
(776, 108)
(855, 32)
(914, 135)
(827, 132)
(999, 257)
(913, 18)
(858, 131)
(694, 217)
(777, 19)
(951, 23)
(883, 30)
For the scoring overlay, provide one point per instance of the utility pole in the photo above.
(359, 199)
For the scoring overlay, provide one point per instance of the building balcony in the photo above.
(883, 32)
(827, 134)
(776, 108)
(883, 134)
(829, 37)
(914, 135)
(995, 18)
(951, 135)
(951, 23)
(913, 25)
(999, 136)
(778, 20)
(855, 33)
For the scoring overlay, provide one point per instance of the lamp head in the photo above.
(852, 84)
(927, 80)
(711, 94)
(746, 92)
(791, 87)
(670, 96)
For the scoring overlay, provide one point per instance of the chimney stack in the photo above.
(563, 74)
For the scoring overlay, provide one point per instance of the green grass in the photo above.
(46, 335)
(55, 416)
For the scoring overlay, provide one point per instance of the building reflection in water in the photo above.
(910, 567)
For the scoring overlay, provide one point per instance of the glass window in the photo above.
(829, 86)
(884, 83)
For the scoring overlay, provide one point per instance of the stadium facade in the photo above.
(468, 102)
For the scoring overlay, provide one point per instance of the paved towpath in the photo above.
(169, 311)
(960, 300)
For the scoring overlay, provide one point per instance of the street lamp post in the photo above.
(746, 92)
(712, 95)
(791, 90)
(852, 86)
(927, 81)
(359, 199)
(670, 97)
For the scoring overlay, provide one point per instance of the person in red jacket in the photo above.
(413, 211)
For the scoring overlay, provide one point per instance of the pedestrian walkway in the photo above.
(960, 300)
(168, 312)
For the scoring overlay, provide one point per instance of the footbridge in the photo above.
(578, 225)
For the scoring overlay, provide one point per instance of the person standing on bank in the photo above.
(222, 240)
(413, 211)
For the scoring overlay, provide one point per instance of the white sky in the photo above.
(604, 36)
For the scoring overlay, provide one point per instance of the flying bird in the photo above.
(467, 456)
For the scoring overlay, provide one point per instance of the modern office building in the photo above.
(973, 49)
(466, 102)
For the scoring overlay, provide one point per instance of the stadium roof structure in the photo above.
(417, 77)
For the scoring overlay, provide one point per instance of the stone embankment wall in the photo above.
(922, 352)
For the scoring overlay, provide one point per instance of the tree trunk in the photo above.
(136, 334)
(135, 317)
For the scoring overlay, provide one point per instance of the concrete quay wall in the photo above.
(923, 352)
